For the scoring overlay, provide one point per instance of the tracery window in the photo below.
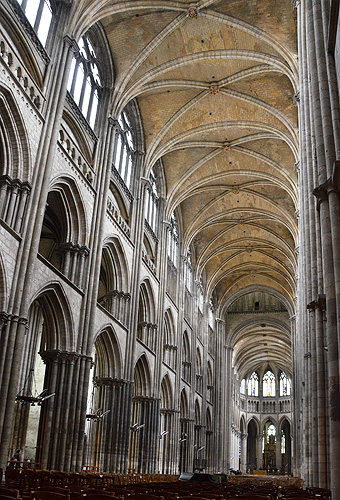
(173, 240)
(284, 385)
(243, 386)
(84, 83)
(253, 385)
(151, 202)
(268, 384)
(188, 271)
(124, 149)
(39, 15)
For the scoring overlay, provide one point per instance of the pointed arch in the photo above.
(169, 347)
(142, 377)
(166, 393)
(186, 356)
(58, 327)
(184, 405)
(15, 159)
(64, 232)
(108, 354)
(146, 309)
(197, 413)
(77, 230)
(114, 278)
(169, 328)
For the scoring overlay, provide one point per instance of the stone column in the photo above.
(110, 435)
(259, 454)
(145, 437)
(244, 437)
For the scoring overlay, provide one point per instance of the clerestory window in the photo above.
(39, 15)
(284, 385)
(151, 202)
(124, 149)
(188, 271)
(173, 240)
(268, 384)
(84, 83)
(253, 385)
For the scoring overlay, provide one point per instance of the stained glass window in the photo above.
(253, 385)
(268, 384)
(284, 385)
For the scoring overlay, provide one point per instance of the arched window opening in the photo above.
(284, 385)
(243, 387)
(188, 271)
(186, 358)
(173, 240)
(84, 83)
(152, 202)
(39, 15)
(253, 385)
(124, 149)
(268, 384)
(269, 445)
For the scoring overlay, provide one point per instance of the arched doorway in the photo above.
(251, 446)
(286, 448)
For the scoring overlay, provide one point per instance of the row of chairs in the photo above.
(173, 491)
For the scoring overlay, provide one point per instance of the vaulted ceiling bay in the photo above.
(215, 83)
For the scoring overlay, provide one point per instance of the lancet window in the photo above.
(39, 15)
(253, 385)
(173, 240)
(84, 83)
(188, 271)
(124, 150)
(268, 384)
(151, 202)
(284, 385)
(243, 386)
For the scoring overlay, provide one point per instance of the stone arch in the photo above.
(108, 354)
(14, 149)
(114, 279)
(146, 326)
(166, 425)
(169, 347)
(253, 431)
(146, 309)
(184, 432)
(64, 231)
(142, 377)
(47, 356)
(77, 227)
(58, 330)
(184, 404)
(166, 393)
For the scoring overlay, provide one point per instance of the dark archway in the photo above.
(251, 446)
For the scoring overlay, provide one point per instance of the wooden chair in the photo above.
(145, 496)
(48, 495)
(55, 489)
(100, 495)
(9, 492)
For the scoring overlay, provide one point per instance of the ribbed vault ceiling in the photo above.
(215, 83)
